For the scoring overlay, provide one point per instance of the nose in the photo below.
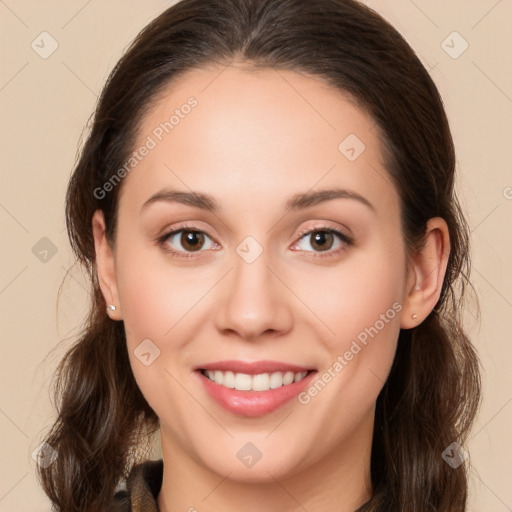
(254, 301)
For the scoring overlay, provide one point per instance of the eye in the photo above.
(324, 240)
(186, 240)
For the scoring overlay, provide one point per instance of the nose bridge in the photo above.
(255, 300)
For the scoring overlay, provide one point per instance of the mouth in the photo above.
(253, 389)
(258, 382)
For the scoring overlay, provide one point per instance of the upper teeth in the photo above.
(259, 382)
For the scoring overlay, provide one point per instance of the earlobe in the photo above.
(106, 266)
(428, 272)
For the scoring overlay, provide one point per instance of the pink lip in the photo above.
(253, 403)
(252, 368)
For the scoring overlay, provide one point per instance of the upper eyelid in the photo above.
(324, 227)
(302, 232)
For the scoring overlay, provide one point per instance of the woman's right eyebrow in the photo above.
(296, 202)
(197, 199)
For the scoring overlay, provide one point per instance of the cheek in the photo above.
(155, 300)
(144, 304)
(362, 310)
(360, 293)
(154, 295)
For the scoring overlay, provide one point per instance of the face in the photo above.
(271, 283)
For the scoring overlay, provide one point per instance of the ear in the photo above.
(426, 276)
(106, 265)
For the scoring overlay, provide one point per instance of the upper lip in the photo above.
(253, 368)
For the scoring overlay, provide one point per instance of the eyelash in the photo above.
(346, 240)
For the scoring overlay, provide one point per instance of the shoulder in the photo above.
(142, 487)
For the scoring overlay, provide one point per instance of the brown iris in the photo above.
(192, 240)
(321, 239)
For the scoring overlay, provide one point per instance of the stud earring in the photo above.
(415, 316)
(111, 307)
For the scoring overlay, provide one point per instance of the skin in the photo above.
(255, 139)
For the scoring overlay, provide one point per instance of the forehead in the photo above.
(259, 134)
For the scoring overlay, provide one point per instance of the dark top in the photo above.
(142, 487)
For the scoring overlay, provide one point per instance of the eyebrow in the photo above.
(296, 202)
(308, 199)
(197, 199)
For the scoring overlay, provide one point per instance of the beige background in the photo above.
(45, 104)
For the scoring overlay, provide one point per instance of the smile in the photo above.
(258, 382)
(253, 389)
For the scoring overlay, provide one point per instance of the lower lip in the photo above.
(253, 403)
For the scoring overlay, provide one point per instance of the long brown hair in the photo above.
(433, 391)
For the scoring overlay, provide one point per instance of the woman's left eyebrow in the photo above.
(296, 202)
(308, 199)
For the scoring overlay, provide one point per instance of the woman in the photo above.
(266, 207)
